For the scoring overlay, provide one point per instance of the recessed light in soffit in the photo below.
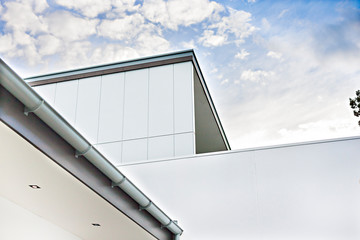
(34, 186)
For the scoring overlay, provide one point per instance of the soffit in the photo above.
(62, 199)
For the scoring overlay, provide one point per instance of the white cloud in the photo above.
(273, 54)
(189, 45)
(113, 53)
(251, 1)
(89, 8)
(237, 24)
(38, 5)
(20, 16)
(148, 44)
(242, 54)
(210, 39)
(256, 76)
(171, 14)
(127, 27)
(6, 43)
(48, 45)
(68, 27)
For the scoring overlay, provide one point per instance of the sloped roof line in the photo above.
(35, 104)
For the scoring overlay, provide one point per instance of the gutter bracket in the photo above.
(113, 184)
(146, 207)
(28, 110)
(79, 154)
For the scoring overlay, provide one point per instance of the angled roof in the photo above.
(54, 146)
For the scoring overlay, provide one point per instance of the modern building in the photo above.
(54, 184)
(139, 110)
(153, 119)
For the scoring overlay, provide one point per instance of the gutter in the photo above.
(35, 104)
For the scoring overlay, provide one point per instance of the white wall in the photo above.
(295, 192)
(132, 116)
(17, 223)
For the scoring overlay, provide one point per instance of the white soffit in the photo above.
(62, 199)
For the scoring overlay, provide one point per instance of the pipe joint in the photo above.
(28, 110)
(145, 207)
(113, 184)
(166, 225)
(79, 154)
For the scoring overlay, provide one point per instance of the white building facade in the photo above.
(154, 119)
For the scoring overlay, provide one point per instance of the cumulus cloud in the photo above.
(242, 54)
(237, 23)
(89, 8)
(69, 27)
(124, 28)
(27, 21)
(149, 44)
(48, 44)
(6, 43)
(174, 13)
(210, 39)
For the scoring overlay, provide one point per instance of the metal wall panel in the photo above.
(111, 108)
(87, 111)
(161, 147)
(66, 99)
(183, 97)
(161, 99)
(136, 104)
(184, 144)
(134, 150)
(47, 92)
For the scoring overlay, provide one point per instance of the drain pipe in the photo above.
(35, 104)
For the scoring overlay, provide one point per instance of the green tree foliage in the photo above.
(355, 104)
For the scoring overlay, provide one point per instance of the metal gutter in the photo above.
(35, 104)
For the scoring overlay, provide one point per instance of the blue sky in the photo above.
(278, 71)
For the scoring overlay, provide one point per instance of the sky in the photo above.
(278, 71)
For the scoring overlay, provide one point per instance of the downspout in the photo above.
(35, 104)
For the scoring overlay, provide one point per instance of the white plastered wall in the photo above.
(134, 116)
(21, 224)
(292, 192)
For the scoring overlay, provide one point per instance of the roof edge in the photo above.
(35, 104)
(127, 65)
